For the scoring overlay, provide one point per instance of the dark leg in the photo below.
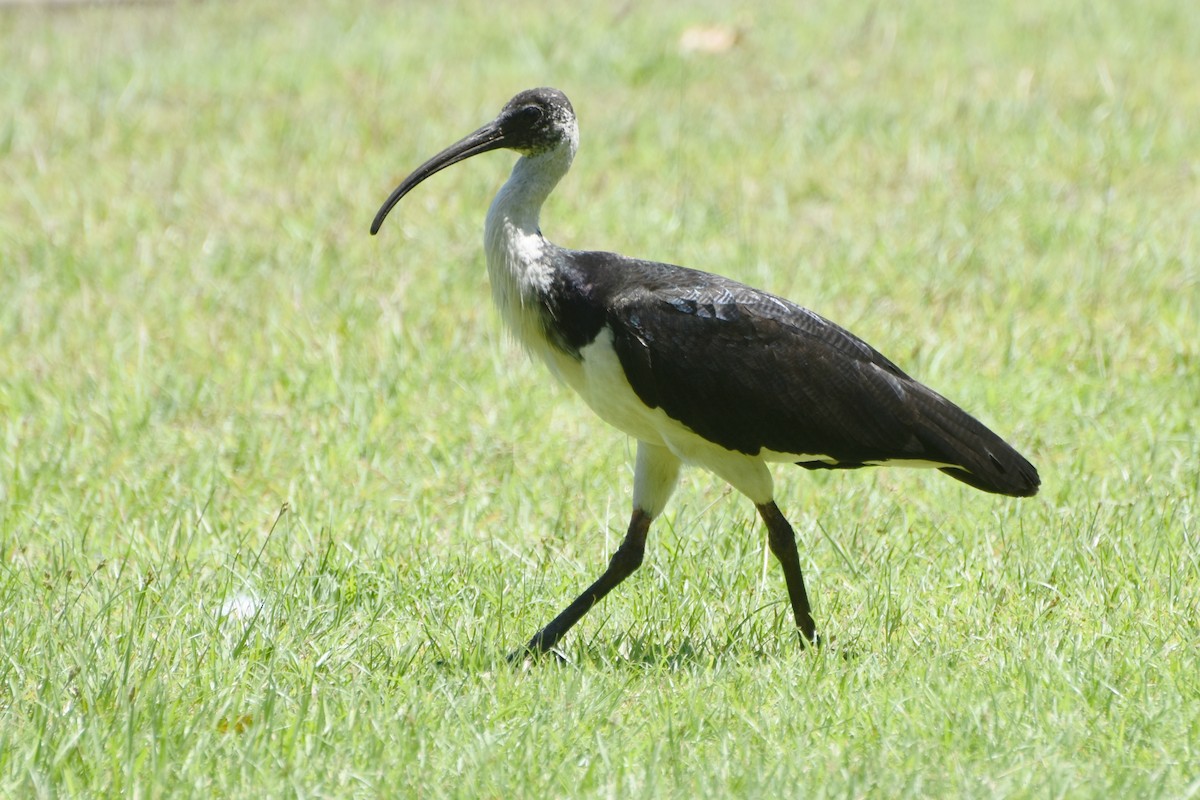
(623, 563)
(783, 544)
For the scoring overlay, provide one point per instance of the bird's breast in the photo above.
(598, 377)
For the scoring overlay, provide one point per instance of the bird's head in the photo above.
(535, 122)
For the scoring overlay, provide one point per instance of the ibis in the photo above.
(698, 368)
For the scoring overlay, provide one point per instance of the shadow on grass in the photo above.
(687, 653)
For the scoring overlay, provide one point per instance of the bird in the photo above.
(699, 369)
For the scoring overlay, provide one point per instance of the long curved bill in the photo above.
(489, 137)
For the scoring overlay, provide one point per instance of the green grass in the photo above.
(196, 332)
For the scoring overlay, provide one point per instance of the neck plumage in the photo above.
(520, 261)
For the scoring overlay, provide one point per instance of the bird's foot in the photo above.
(526, 656)
(809, 639)
(830, 647)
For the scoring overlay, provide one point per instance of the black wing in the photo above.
(748, 370)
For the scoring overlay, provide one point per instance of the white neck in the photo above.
(519, 259)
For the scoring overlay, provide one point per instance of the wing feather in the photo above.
(748, 370)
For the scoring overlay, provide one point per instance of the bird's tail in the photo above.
(979, 457)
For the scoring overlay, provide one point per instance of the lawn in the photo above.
(277, 497)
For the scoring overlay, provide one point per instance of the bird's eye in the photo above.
(528, 116)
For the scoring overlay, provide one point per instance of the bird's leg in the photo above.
(782, 539)
(622, 564)
(654, 475)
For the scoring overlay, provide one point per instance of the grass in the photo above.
(277, 497)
